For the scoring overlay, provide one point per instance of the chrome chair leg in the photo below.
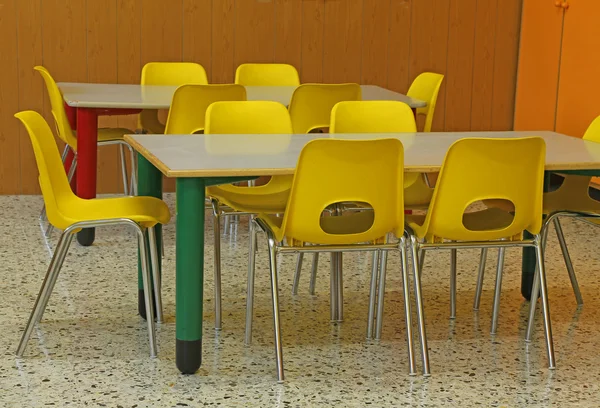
(333, 288)
(381, 295)
(217, 261)
(275, 299)
(313, 274)
(535, 290)
(372, 294)
(568, 263)
(412, 366)
(453, 255)
(545, 304)
(156, 278)
(250, 288)
(147, 290)
(133, 186)
(340, 287)
(497, 290)
(479, 288)
(419, 303)
(46, 289)
(61, 259)
(124, 170)
(226, 225)
(299, 260)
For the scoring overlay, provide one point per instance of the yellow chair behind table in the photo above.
(476, 170)
(267, 75)
(252, 117)
(311, 104)
(365, 117)
(368, 171)
(190, 103)
(167, 74)
(68, 212)
(425, 87)
(573, 196)
(106, 136)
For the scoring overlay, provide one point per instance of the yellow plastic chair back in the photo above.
(267, 75)
(247, 117)
(167, 74)
(311, 104)
(426, 88)
(251, 117)
(173, 73)
(372, 117)
(63, 127)
(332, 171)
(592, 133)
(190, 102)
(481, 169)
(52, 177)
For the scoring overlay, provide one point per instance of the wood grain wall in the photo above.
(382, 42)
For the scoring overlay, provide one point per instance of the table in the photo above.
(85, 102)
(197, 161)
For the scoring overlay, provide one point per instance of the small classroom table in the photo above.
(198, 161)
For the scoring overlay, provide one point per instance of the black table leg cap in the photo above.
(86, 236)
(189, 355)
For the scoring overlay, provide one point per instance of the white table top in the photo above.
(122, 96)
(258, 155)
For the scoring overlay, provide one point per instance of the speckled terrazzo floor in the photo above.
(91, 348)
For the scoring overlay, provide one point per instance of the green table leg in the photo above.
(189, 273)
(149, 184)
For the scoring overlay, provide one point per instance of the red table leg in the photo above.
(87, 151)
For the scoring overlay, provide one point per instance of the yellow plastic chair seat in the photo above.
(417, 194)
(147, 211)
(488, 219)
(261, 199)
(149, 122)
(109, 134)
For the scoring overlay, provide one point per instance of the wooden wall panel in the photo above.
(429, 46)
(288, 32)
(342, 41)
(197, 29)
(254, 31)
(461, 42)
(223, 17)
(505, 63)
(384, 42)
(483, 74)
(311, 68)
(31, 86)
(375, 42)
(9, 97)
(399, 45)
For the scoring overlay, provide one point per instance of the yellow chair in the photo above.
(368, 171)
(70, 213)
(364, 117)
(190, 103)
(267, 75)
(106, 136)
(167, 74)
(476, 170)
(425, 87)
(311, 104)
(255, 117)
(571, 199)
(310, 110)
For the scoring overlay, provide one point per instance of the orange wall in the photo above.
(383, 42)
